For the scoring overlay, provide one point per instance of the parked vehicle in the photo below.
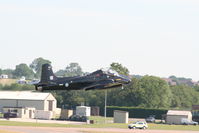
(150, 119)
(10, 115)
(185, 121)
(78, 118)
(138, 124)
(195, 118)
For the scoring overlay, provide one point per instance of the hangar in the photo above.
(39, 101)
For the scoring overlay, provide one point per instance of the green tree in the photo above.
(119, 68)
(95, 97)
(23, 70)
(132, 93)
(60, 73)
(73, 69)
(154, 92)
(1, 71)
(184, 96)
(36, 66)
(69, 99)
(196, 87)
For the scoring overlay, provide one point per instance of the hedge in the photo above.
(135, 112)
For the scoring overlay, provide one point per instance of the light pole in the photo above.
(105, 102)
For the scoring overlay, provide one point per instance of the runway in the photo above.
(22, 129)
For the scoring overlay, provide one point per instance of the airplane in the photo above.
(100, 79)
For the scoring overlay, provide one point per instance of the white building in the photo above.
(83, 111)
(3, 76)
(176, 116)
(39, 101)
(121, 116)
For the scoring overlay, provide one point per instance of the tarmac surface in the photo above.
(22, 129)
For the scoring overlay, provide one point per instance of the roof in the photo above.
(178, 112)
(23, 95)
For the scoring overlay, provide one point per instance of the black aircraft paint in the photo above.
(99, 79)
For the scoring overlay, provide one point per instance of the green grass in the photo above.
(101, 120)
(1, 115)
(99, 123)
(173, 127)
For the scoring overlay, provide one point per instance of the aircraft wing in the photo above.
(100, 85)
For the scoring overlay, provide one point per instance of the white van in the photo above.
(185, 121)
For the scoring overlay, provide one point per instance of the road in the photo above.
(22, 129)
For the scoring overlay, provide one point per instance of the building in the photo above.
(66, 114)
(28, 99)
(20, 111)
(3, 76)
(169, 81)
(121, 116)
(95, 111)
(175, 116)
(83, 111)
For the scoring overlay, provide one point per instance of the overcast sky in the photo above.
(154, 37)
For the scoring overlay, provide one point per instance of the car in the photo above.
(10, 115)
(78, 118)
(150, 119)
(138, 124)
(185, 121)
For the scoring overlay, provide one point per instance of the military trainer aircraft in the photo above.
(100, 79)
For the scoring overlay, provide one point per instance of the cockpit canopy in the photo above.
(109, 71)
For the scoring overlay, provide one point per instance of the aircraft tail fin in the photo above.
(47, 73)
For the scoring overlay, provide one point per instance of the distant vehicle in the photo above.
(100, 79)
(138, 124)
(10, 115)
(78, 118)
(185, 121)
(22, 80)
(195, 118)
(150, 119)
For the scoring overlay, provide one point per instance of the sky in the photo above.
(149, 37)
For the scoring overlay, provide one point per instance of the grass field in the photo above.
(101, 120)
(7, 81)
(102, 125)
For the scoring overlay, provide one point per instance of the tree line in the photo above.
(29, 71)
(146, 91)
